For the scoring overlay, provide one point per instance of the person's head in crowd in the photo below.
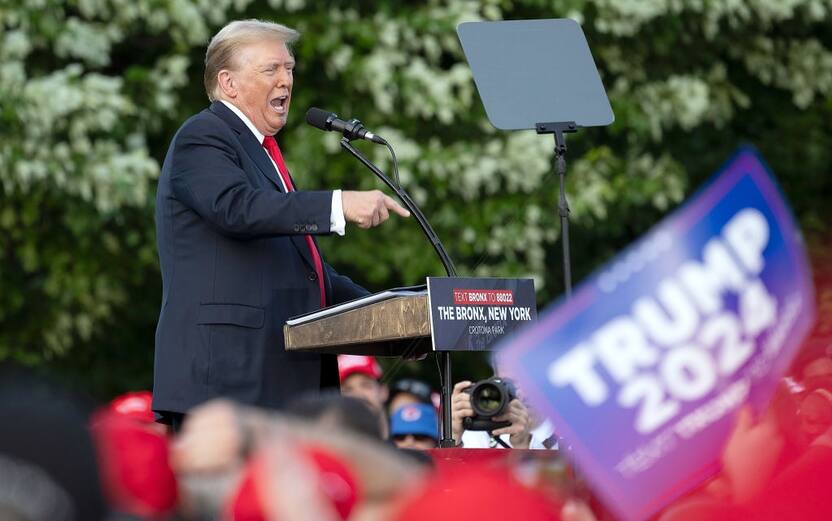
(249, 64)
(406, 391)
(221, 440)
(415, 426)
(337, 412)
(812, 367)
(360, 377)
(817, 373)
(47, 457)
(275, 477)
(134, 460)
(136, 406)
(815, 413)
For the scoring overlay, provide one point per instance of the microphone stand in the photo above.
(409, 204)
(447, 421)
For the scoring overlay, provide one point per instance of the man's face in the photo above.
(365, 388)
(263, 84)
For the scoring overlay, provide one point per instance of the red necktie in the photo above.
(271, 147)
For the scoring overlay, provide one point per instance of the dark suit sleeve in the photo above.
(342, 287)
(206, 176)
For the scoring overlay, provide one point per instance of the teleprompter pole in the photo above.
(559, 163)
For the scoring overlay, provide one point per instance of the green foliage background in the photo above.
(91, 92)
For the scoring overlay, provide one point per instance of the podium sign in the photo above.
(643, 370)
(471, 314)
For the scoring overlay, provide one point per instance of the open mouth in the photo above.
(279, 104)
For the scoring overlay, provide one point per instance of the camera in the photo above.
(489, 398)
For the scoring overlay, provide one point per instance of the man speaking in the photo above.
(235, 237)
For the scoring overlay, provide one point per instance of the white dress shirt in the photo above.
(337, 223)
(481, 439)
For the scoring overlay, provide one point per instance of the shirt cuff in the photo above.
(337, 223)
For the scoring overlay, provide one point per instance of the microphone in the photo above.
(352, 129)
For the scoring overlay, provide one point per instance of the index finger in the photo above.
(391, 203)
(517, 405)
(460, 386)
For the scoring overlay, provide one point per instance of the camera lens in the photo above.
(487, 400)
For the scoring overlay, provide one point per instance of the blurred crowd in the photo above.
(369, 453)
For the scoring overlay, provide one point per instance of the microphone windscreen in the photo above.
(318, 118)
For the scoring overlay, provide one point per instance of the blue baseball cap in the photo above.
(418, 419)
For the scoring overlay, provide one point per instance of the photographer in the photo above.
(522, 432)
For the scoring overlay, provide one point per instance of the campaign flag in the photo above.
(643, 370)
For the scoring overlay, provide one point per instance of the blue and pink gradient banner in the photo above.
(643, 370)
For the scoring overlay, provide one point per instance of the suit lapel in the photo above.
(260, 157)
(303, 249)
(254, 149)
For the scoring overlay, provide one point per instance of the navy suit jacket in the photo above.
(235, 265)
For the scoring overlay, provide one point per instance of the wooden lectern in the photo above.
(400, 322)
(398, 326)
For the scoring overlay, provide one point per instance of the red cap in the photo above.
(135, 405)
(478, 492)
(350, 364)
(135, 465)
(335, 481)
(245, 503)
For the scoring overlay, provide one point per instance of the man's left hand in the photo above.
(520, 429)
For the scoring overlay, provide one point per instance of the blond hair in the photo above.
(227, 43)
